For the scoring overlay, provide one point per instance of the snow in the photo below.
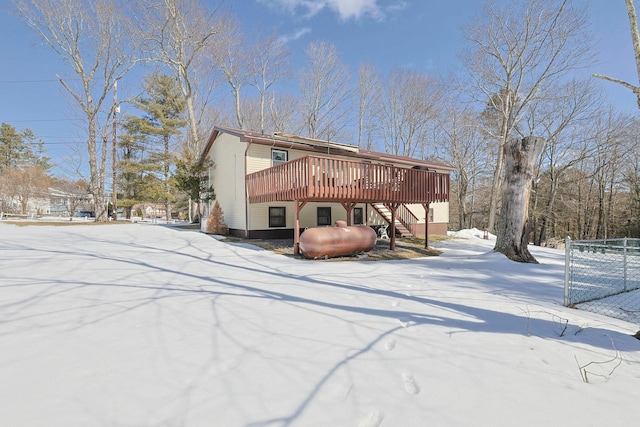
(149, 325)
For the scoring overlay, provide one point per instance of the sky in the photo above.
(147, 325)
(415, 34)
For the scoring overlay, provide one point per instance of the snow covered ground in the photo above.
(148, 325)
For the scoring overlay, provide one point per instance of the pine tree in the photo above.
(19, 148)
(215, 223)
(164, 110)
(146, 159)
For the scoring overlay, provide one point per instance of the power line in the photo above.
(40, 120)
(58, 137)
(62, 143)
(33, 81)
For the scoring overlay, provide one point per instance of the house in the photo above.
(272, 186)
(149, 211)
(54, 202)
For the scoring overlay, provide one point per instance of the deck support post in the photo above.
(348, 206)
(393, 207)
(296, 226)
(426, 225)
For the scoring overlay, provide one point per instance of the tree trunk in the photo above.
(496, 188)
(548, 217)
(514, 226)
(167, 177)
(95, 187)
(193, 140)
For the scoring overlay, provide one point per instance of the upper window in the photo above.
(278, 157)
(324, 216)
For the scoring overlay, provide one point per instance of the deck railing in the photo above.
(315, 178)
(407, 218)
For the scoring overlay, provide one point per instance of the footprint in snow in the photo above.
(404, 322)
(410, 385)
(374, 419)
(390, 345)
(395, 303)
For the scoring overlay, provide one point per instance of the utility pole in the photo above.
(114, 188)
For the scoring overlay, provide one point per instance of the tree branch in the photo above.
(635, 89)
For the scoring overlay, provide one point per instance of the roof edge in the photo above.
(295, 142)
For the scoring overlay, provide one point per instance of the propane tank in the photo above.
(327, 242)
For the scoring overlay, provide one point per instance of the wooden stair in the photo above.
(402, 227)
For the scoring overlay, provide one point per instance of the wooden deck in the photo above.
(315, 179)
(318, 179)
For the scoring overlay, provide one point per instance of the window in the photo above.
(357, 216)
(279, 157)
(324, 216)
(430, 214)
(277, 217)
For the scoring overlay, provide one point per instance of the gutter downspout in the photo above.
(246, 194)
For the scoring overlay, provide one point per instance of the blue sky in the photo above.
(424, 35)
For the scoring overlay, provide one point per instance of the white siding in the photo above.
(260, 156)
(227, 177)
(440, 212)
(259, 214)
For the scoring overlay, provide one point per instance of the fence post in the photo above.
(624, 263)
(567, 266)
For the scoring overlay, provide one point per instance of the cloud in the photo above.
(346, 9)
(355, 9)
(294, 36)
(397, 6)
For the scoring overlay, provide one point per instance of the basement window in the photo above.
(324, 216)
(278, 216)
(357, 216)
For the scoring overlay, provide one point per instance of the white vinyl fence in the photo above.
(603, 276)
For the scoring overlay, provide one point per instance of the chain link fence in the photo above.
(603, 276)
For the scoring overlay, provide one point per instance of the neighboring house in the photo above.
(67, 202)
(149, 210)
(271, 186)
(52, 202)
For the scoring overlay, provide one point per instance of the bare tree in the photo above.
(268, 63)
(90, 38)
(635, 37)
(631, 179)
(24, 184)
(517, 53)
(588, 162)
(251, 113)
(181, 34)
(74, 194)
(368, 94)
(564, 121)
(282, 111)
(606, 167)
(326, 91)
(233, 59)
(462, 145)
(407, 111)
